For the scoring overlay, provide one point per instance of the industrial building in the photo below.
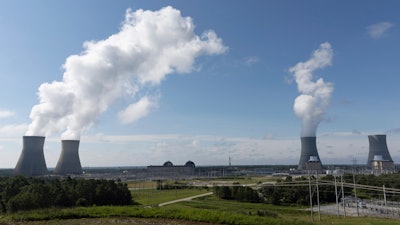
(309, 152)
(169, 169)
(313, 164)
(31, 161)
(379, 159)
(69, 162)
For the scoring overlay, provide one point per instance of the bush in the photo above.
(239, 193)
(81, 202)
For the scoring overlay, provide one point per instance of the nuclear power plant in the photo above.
(379, 158)
(69, 162)
(309, 154)
(31, 161)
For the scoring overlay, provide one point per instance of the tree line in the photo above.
(26, 193)
(300, 194)
(295, 191)
(238, 193)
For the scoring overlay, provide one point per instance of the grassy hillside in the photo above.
(205, 210)
(200, 211)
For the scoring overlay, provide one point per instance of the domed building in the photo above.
(168, 169)
(168, 163)
(190, 164)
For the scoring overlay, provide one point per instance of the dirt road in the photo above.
(185, 199)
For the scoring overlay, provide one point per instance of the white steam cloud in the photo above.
(136, 111)
(314, 96)
(149, 46)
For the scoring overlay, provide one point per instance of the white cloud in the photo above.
(202, 149)
(149, 46)
(136, 111)
(13, 130)
(379, 30)
(249, 61)
(6, 114)
(100, 138)
(314, 98)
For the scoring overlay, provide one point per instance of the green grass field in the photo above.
(208, 209)
(148, 197)
(142, 184)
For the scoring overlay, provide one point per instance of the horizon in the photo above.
(200, 166)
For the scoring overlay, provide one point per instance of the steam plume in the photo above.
(314, 96)
(149, 46)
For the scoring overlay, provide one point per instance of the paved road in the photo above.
(185, 199)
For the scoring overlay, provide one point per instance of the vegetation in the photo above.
(153, 197)
(21, 193)
(238, 193)
(390, 181)
(296, 191)
(209, 209)
(235, 204)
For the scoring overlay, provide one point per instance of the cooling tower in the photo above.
(31, 162)
(69, 162)
(308, 150)
(378, 147)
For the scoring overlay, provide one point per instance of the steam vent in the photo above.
(378, 149)
(31, 162)
(309, 152)
(69, 162)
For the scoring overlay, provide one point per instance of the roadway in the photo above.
(184, 199)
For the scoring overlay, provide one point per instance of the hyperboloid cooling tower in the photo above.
(31, 162)
(308, 151)
(378, 147)
(69, 162)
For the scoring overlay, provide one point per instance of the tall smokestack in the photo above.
(31, 162)
(378, 147)
(308, 150)
(69, 162)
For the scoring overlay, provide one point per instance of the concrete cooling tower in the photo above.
(378, 149)
(308, 152)
(31, 162)
(69, 162)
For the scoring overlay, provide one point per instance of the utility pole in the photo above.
(309, 188)
(384, 199)
(337, 199)
(343, 198)
(354, 184)
(319, 209)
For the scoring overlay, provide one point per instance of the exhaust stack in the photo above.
(69, 162)
(308, 152)
(378, 149)
(31, 162)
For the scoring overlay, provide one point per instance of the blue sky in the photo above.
(235, 101)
